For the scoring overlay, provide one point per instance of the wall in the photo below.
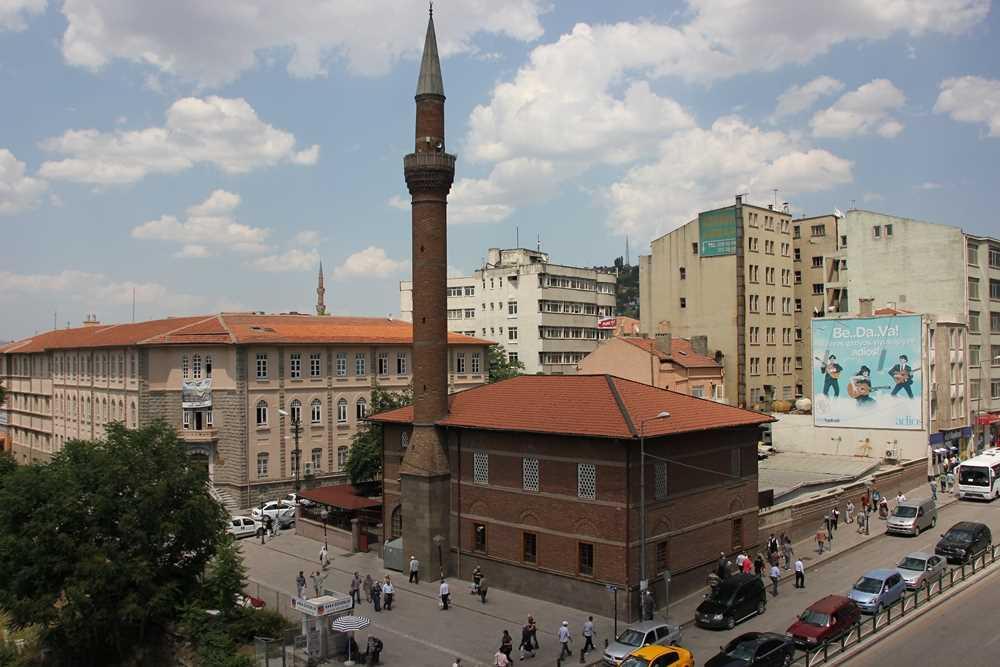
(622, 359)
(796, 433)
(810, 246)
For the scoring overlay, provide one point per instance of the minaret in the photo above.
(425, 478)
(320, 293)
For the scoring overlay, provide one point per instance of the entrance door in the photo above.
(200, 461)
(199, 420)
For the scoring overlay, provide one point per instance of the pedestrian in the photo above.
(820, 540)
(835, 514)
(933, 491)
(758, 565)
(722, 569)
(414, 570)
(564, 640)
(388, 592)
(317, 582)
(740, 557)
(849, 513)
(864, 502)
(457, 663)
(526, 647)
(772, 544)
(588, 634)
(774, 559)
(533, 628)
(269, 525)
(477, 575)
(367, 587)
(868, 519)
(828, 522)
(324, 556)
(648, 605)
(786, 551)
(506, 644)
(377, 595)
(876, 497)
(274, 526)
(356, 589)
(483, 589)
(900, 498)
(747, 566)
(300, 584)
(775, 575)
(500, 660)
(443, 592)
(800, 574)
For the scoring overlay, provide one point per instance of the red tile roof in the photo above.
(681, 352)
(230, 329)
(893, 311)
(599, 406)
(340, 495)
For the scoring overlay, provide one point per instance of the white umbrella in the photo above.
(350, 624)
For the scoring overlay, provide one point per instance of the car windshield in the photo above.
(635, 661)
(911, 563)
(959, 536)
(819, 619)
(973, 476)
(741, 650)
(868, 585)
(905, 512)
(631, 637)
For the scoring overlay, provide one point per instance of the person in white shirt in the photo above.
(588, 634)
(443, 591)
(387, 592)
(775, 575)
(800, 574)
(900, 498)
(564, 640)
(414, 570)
(324, 557)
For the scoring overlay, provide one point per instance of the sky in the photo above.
(207, 156)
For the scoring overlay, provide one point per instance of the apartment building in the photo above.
(817, 270)
(232, 385)
(983, 267)
(547, 316)
(730, 273)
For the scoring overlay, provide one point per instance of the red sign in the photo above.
(985, 420)
(607, 323)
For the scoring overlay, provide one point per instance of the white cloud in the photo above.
(971, 99)
(212, 43)
(96, 290)
(18, 192)
(14, 13)
(799, 98)
(292, 260)
(511, 183)
(307, 237)
(220, 131)
(929, 185)
(701, 168)
(193, 250)
(872, 196)
(372, 262)
(209, 224)
(862, 111)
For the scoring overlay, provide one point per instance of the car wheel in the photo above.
(788, 660)
(761, 607)
(730, 623)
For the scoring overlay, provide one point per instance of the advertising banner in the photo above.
(607, 323)
(717, 232)
(196, 394)
(866, 372)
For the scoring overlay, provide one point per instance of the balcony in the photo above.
(203, 435)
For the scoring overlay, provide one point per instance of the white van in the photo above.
(912, 516)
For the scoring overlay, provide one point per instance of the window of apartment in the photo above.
(770, 301)
(477, 362)
(261, 366)
(529, 474)
(295, 460)
(995, 390)
(529, 547)
(698, 391)
(470, 313)
(261, 413)
(460, 362)
(817, 230)
(754, 303)
(768, 247)
(512, 307)
(994, 257)
(454, 313)
(769, 275)
(684, 302)
(995, 322)
(660, 477)
(817, 262)
(786, 367)
(754, 365)
(382, 361)
(586, 480)
(314, 364)
(798, 333)
(315, 411)
(973, 254)
(512, 357)
(798, 305)
(262, 465)
(888, 230)
(877, 232)
(662, 560)
(341, 364)
(974, 390)
(796, 232)
(470, 290)
(316, 458)
(360, 361)
(683, 273)
(817, 288)
(974, 355)
(454, 291)
(341, 457)
(512, 334)
(694, 247)
(296, 411)
(342, 411)
(798, 277)
(208, 365)
(771, 365)
(736, 542)
(798, 363)
(995, 355)
(769, 335)
(479, 537)
(401, 363)
(995, 289)
(754, 335)
(295, 365)
(480, 467)
(361, 408)
(585, 559)
(185, 369)
(404, 439)
(974, 288)
(974, 321)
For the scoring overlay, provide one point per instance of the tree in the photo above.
(364, 460)
(225, 578)
(103, 546)
(501, 366)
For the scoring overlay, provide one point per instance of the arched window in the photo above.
(404, 439)
(396, 522)
(296, 411)
(196, 367)
(362, 408)
(317, 458)
(341, 457)
(316, 410)
(261, 413)
(133, 364)
(208, 365)
(342, 411)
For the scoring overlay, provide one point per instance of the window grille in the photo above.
(481, 468)
(586, 480)
(661, 480)
(529, 474)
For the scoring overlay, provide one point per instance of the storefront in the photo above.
(988, 427)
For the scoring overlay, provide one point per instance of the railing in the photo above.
(199, 435)
(865, 629)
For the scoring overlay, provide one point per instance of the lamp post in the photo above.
(323, 515)
(643, 581)
(296, 429)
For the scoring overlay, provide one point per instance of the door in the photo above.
(769, 654)
(666, 659)
(199, 420)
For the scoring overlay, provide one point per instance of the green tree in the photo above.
(501, 366)
(364, 460)
(103, 546)
(225, 578)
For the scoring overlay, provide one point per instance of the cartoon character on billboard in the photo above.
(902, 376)
(831, 375)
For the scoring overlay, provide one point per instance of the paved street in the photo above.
(931, 639)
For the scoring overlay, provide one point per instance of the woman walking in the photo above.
(367, 587)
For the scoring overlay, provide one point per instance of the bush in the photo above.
(249, 623)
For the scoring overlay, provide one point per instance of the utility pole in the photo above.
(296, 429)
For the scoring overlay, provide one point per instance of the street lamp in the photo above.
(323, 515)
(643, 582)
(296, 429)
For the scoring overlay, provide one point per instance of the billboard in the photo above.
(717, 232)
(866, 372)
(196, 394)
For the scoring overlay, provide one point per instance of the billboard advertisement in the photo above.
(196, 394)
(866, 372)
(717, 232)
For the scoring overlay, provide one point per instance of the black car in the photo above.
(963, 541)
(735, 599)
(755, 649)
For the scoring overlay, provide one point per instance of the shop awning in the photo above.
(340, 495)
(987, 419)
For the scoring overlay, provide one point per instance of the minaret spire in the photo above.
(320, 293)
(429, 82)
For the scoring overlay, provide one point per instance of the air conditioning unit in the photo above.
(309, 468)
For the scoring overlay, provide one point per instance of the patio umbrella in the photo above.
(350, 624)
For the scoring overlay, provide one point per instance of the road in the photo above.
(839, 574)
(962, 630)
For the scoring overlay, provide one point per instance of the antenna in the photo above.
(852, 204)
(538, 242)
(133, 304)
(517, 236)
(626, 251)
(55, 320)
(775, 200)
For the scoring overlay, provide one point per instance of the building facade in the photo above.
(816, 270)
(983, 266)
(545, 315)
(222, 382)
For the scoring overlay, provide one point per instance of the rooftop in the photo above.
(681, 352)
(598, 406)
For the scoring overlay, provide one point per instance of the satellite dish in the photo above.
(837, 213)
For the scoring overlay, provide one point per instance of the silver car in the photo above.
(638, 635)
(919, 569)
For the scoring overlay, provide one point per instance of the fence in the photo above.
(864, 630)
(286, 651)
(273, 599)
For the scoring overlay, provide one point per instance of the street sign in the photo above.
(612, 588)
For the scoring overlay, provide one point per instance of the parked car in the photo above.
(296, 499)
(755, 649)
(659, 656)
(278, 510)
(912, 516)
(963, 541)
(919, 569)
(638, 635)
(877, 589)
(242, 526)
(827, 619)
(735, 599)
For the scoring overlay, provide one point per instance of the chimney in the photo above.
(493, 257)
(91, 320)
(865, 307)
(699, 345)
(663, 342)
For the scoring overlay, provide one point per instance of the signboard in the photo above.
(717, 232)
(866, 372)
(196, 394)
(324, 605)
(607, 323)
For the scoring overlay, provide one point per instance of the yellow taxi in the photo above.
(659, 656)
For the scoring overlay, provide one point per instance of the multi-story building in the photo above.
(545, 315)
(231, 384)
(983, 266)
(817, 270)
(731, 273)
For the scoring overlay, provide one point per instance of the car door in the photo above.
(768, 654)
(249, 526)
(669, 658)
(935, 564)
(235, 528)
(661, 635)
(739, 605)
(895, 585)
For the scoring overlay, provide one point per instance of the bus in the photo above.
(979, 477)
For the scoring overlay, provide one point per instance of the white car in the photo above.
(278, 510)
(242, 526)
(295, 499)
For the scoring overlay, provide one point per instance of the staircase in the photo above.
(223, 498)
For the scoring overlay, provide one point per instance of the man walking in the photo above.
(835, 514)
(800, 574)
(849, 514)
(300, 584)
(324, 557)
(317, 583)
(775, 575)
(377, 595)
(564, 640)
(388, 591)
(414, 570)
(588, 634)
(356, 589)
(443, 592)
(721, 568)
(483, 588)
(828, 521)
(526, 647)
(820, 540)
